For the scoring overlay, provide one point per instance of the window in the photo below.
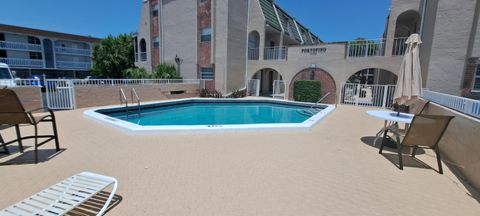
(156, 42)
(206, 73)
(2, 37)
(476, 84)
(35, 55)
(33, 40)
(3, 54)
(155, 9)
(206, 35)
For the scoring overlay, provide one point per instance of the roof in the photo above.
(287, 23)
(39, 32)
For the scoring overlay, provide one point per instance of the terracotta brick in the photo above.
(328, 83)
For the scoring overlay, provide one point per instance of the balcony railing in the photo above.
(275, 53)
(73, 64)
(20, 46)
(19, 62)
(73, 51)
(399, 46)
(253, 53)
(143, 56)
(366, 48)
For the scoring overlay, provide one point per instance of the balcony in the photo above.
(74, 65)
(275, 53)
(20, 62)
(20, 46)
(399, 46)
(253, 53)
(366, 48)
(73, 51)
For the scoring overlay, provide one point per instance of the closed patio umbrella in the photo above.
(409, 84)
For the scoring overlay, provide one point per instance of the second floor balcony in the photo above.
(375, 47)
(21, 62)
(20, 46)
(74, 65)
(73, 51)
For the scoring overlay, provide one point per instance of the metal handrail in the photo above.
(134, 94)
(123, 99)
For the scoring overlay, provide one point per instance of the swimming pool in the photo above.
(198, 114)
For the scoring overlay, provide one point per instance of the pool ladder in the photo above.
(134, 98)
(312, 110)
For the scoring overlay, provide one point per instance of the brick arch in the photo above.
(328, 82)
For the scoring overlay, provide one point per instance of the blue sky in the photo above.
(332, 20)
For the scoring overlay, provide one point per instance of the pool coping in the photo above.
(135, 129)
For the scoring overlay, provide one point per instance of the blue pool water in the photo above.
(198, 113)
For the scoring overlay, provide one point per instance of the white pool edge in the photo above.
(135, 129)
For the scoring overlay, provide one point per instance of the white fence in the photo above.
(253, 87)
(60, 93)
(86, 82)
(279, 87)
(461, 104)
(367, 95)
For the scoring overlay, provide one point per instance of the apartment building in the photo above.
(235, 41)
(36, 52)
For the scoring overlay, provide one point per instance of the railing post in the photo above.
(385, 94)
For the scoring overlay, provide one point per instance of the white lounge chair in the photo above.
(64, 196)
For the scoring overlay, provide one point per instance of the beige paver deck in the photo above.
(327, 171)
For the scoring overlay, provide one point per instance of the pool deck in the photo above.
(330, 170)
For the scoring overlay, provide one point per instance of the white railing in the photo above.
(253, 53)
(60, 94)
(28, 82)
(115, 82)
(275, 53)
(74, 51)
(399, 46)
(366, 48)
(461, 104)
(253, 87)
(22, 62)
(279, 89)
(367, 95)
(20, 46)
(73, 64)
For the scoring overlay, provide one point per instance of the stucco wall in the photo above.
(449, 48)
(180, 35)
(89, 96)
(460, 146)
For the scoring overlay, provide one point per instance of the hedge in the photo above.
(307, 90)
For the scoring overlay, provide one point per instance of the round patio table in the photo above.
(392, 116)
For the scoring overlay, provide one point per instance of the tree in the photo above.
(113, 55)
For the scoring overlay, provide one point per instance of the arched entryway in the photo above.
(267, 77)
(373, 76)
(328, 83)
(407, 23)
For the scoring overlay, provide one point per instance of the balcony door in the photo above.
(48, 53)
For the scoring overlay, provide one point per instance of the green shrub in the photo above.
(238, 94)
(307, 90)
(136, 73)
(205, 93)
(165, 71)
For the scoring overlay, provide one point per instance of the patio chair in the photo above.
(12, 113)
(424, 132)
(65, 196)
(416, 108)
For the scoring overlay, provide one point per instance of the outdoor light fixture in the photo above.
(179, 61)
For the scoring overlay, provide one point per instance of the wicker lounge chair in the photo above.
(12, 113)
(64, 196)
(424, 132)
